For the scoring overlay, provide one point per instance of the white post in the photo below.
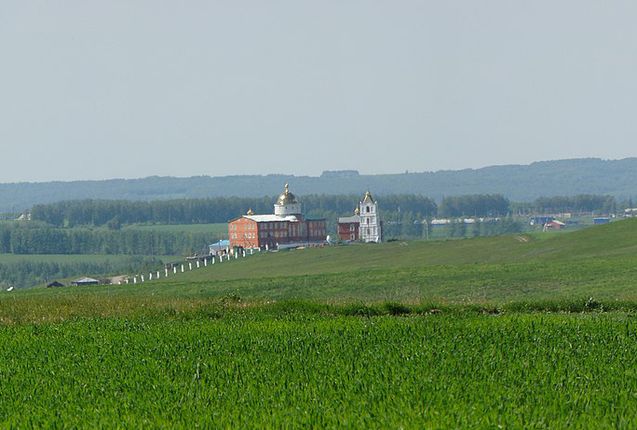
(175, 270)
(182, 268)
(134, 279)
(236, 255)
(142, 276)
(150, 276)
(166, 270)
(251, 251)
(205, 262)
(158, 274)
(244, 253)
(126, 281)
(267, 247)
(189, 266)
(197, 264)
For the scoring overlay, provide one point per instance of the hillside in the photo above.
(517, 182)
(599, 262)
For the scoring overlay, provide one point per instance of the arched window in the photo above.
(367, 209)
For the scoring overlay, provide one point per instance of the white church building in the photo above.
(365, 225)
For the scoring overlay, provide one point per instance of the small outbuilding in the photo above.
(554, 225)
(54, 284)
(601, 220)
(85, 281)
(220, 247)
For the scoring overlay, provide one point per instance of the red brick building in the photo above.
(348, 227)
(286, 227)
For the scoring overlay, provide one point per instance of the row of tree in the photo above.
(582, 203)
(41, 239)
(115, 213)
(29, 273)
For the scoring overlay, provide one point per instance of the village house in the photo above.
(286, 228)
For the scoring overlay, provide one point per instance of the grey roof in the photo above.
(85, 280)
(350, 219)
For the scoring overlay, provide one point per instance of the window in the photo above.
(367, 209)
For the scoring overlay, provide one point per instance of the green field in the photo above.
(251, 369)
(599, 262)
(216, 230)
(527, 331)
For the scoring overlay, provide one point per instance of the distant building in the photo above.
(85, 281)
(365, 225)
(54, 284)
(24, 217)
(601, 220)
(440, 222)
(541, 220)
(220, 247)
(286, 227)
(348, 227)
(554, 225)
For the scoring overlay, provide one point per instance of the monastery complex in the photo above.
(287, 227)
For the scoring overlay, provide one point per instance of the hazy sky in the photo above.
(103, 89)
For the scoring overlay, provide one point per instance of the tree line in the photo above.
(115, 213)
(582, 203)
(29, 273)
(38, 238)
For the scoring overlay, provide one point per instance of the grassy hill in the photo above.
(600, 262)
(228, 346)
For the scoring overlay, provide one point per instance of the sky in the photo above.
(135, 88)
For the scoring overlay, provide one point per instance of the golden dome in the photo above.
(368, 198)
(250, 212)
(287, 197)
(357, 211)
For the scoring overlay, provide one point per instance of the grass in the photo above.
(220, 230)
(600, 262)
(514, 332)
(254, 369)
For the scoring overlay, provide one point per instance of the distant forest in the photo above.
(95, 226)
(115, 213)
(519, 183)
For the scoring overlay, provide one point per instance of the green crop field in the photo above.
(251, 368)
(600, 262)
(527, 331)
(216, 230)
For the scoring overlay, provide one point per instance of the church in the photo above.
(365, 225)
(286, 228)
